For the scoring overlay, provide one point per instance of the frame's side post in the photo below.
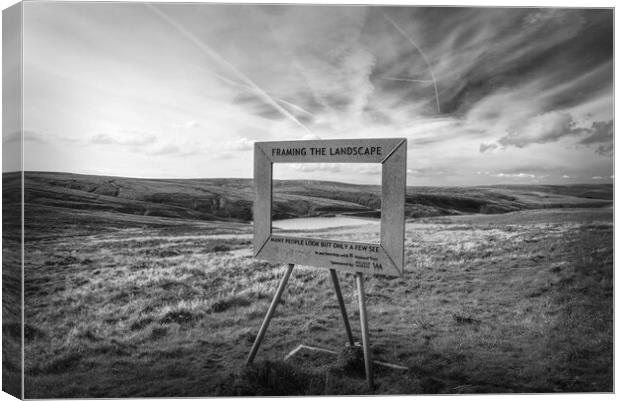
(343, 310)
(364, 323)
(393, 192)
(269, 315)
(263, 171)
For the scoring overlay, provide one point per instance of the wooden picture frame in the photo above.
(386, 257)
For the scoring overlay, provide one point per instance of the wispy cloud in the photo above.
(168, 149)
(369, 169)
(217, 57)
(315, 167)
(515, 175)
(26, 135)
(543, 128)
(484, 147)
(239, 144)
(472, 89)
(601, 131)
(605, 150)
(551, 127)
(125, 138)
(428, 64)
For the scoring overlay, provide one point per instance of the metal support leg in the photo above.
(364, 322)
(343, 310)
(272, 309)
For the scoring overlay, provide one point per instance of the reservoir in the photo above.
(319, 223)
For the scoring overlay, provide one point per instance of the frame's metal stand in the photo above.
(347, 327)
(363, 318)
(272, 309)
(364, 322)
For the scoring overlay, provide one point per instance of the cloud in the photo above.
(488, 147)
(425, 172)
(358, 66)
(313, 167)
(240, 144)
(515, 175)
(256, 105)
(553, 126)
(148, 144)
(124, 138)
(370, 169)
(12, 137)
(493, 49)
(538, 170)
(605, 150)
(164, 150)
(601, 131)
(29, 136)
(506, 79)
(548, 127)
(153, 145)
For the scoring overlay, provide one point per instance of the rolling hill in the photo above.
(86, 199)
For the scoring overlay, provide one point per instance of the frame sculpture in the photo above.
(384, 258)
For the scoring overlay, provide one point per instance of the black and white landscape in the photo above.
(140, 287)
(139, 275)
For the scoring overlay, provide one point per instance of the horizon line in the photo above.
(605, 181)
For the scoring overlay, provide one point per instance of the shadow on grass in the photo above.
(345, 375)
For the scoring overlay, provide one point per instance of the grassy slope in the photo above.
(147, 287)
(519, 302)
(11, 287)
(90, 200)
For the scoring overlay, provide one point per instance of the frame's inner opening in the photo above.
(327, 200)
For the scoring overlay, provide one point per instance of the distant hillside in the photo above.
(231, 199)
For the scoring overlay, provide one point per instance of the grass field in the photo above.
(153, 306)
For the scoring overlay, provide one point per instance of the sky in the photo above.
(483, 95)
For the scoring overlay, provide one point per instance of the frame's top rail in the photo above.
(375, 150)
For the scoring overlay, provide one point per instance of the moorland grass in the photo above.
(484, 307)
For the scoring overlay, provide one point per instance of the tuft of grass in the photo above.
(178, 316)
(233, 301)
(271, 378)
(158, 333)
(350, 361)
(140, 324)
(217, 247)
(460, 319)
(59, 365)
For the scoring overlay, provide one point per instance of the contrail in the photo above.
(317, 97)
(223, 62)
(427, 81)
(247, 87)
(414, 44)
